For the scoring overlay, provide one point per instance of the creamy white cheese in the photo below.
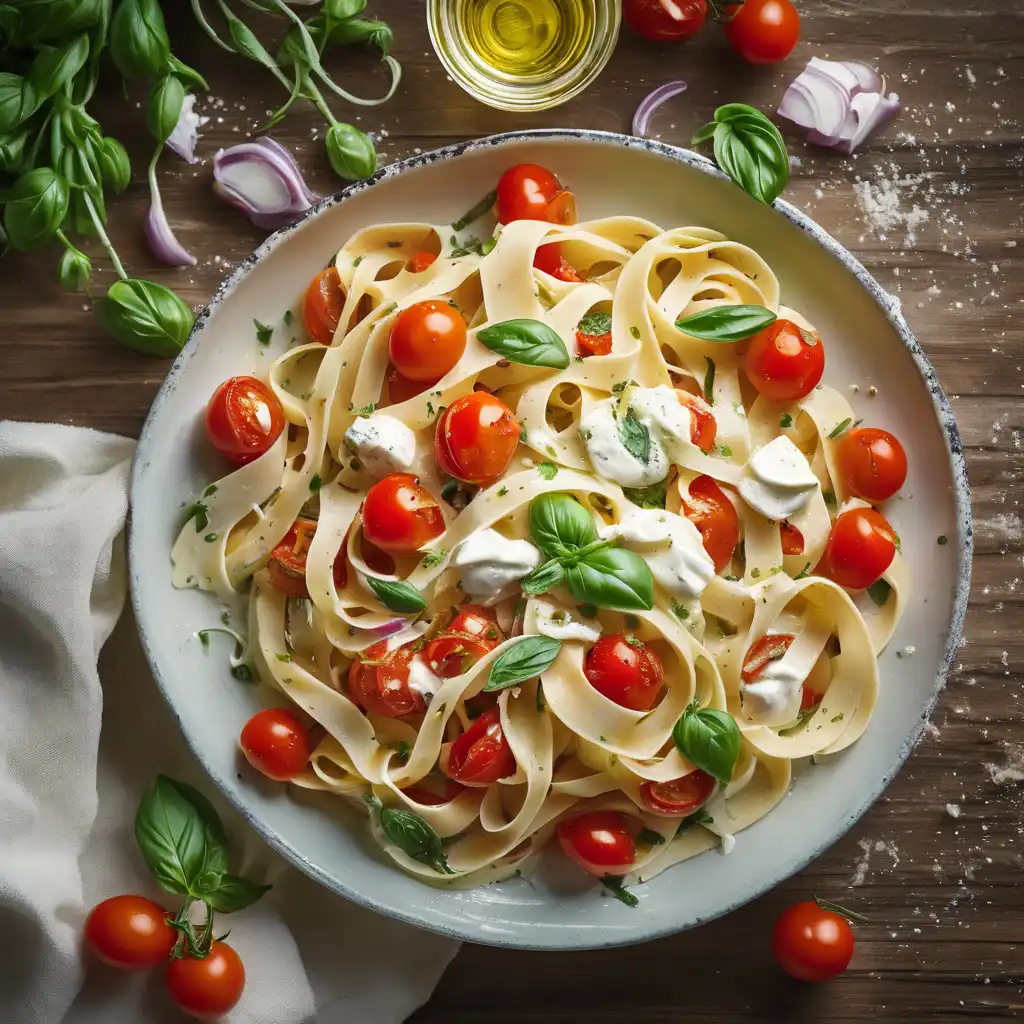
(491, 565)
(611, 458)
(382, 444)
(773, 698)
(671, 547)
(557, 623)
(777, 481)
(422, 680)
(728, 843)
(668, 420)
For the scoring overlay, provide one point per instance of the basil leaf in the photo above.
(350, 151)
(145, 316)
(163, 108)
(879, 592)
(612, 578)
(710, 739)
(35, 208)
(217, 840)
(53, 69)
(750, 149)
(528, 342)
(527, 659)
(397, 595)
(18, 101)
(415, 838)
(138, 39)
(560, 525)
(635, 437)
(234, 893)
(595, 324)
(173, 837)
(651, 496)
(727, 323)
(549, 575)
(615, 886)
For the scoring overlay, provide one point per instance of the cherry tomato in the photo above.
(243, 419)
(421, 261)
(812, 944)
(276, 743)
(401, 389)
(399, 516)
(432, 791)
(599, 842)
(322, 305)
(427, 340)
(792, 539)
(785, 362)
(703, 425)
(770, 647)
(549, 259)
(481, 755)
(378, 681)
(287, 566)
(451, 654)
(678, 796)
(593, 344)
(625, 670)
(130, 933)
(763, 31)
(477, 621)
(665, 20)
(715, 517)
(532, 192)
(859, 549)
(476, 437)
(872, 463)
(206, 989)
(809, 698)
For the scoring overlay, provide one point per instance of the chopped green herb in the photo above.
(879, 592)
(366, 410)
(476, 212)
(288, 316)
(595, 324)
(650, 837)
(283, 657)
(785, 421)
(615, 886)
(724, 450)
(802, 719)
(635, 331)
(680, 611)
(840, 427)
(755, 573)
(358, 260)
(210, 538)
(502, 491)
(838, 718)
(199, 511)
(404, 750)
(634, 641)
(805, 571)
(732, 579)
(709, 381)
(652, 496)
(620, 386)
(896, 540)
(263, 332)
(435, 558)
(699, 817)
(315, 483)
(212, 489)
(548, 470)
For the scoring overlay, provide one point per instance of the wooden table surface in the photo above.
(934, 208)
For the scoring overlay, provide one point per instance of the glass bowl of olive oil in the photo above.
(524, 54)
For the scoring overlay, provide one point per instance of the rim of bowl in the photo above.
(889, 305)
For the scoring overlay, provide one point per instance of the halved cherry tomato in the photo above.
(477, 621)
(130, 933)
(427, 340)
(715, 517)
(809, 698)
(665, 20)
(549, 259)
(792, 539)
(770, 647)
(421, 261)
(812, 944)
(703, 425)
(593, 344)
(432, 791)
(678, 796)
(763, 31)
(378, 681)
(859, 549)
(286, 569)
(401, 389)
(785, 362)
(206, 989)
(600, 842)
(481, 755)
(451, 653)
(476, 437)
(243, 419)
(400, 516)
(872, 463)
(532, 192)
(322, 305)
(625, 670)
(276, 743)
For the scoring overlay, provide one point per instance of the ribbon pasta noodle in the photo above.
(575, 750)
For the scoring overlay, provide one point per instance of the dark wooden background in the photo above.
(942, 891)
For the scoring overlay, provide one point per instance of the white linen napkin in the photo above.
(75, 757)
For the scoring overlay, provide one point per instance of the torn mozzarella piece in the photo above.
(557, 623)
(777, 481)
(668, 420)
(422, 680)
(382, 444)
(602, 434)
(491, 565)
(774, 697)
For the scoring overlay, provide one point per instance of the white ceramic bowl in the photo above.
(868, 343)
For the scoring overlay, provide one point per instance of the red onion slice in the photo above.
(159, 236)
(186, 132)
(642, 117)
(870, 80)
(390, 627)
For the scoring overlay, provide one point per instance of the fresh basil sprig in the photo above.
(560, 525)
(528, 342)
(145, 316)
(415, 837)
(727, 323)
(749, 148)
(710, 739)
(397, 595)
(612, 578)
(525, 660)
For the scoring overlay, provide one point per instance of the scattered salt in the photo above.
(953, 810)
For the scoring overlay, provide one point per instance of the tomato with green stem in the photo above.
(625, 670)
(207, 989)
(129, 932)
(276, 743)
(811, 941)
(600, 842)
(243, 419)
(763, 31)
(322, 305)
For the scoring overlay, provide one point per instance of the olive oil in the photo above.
(524, 54)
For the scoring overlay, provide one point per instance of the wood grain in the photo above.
(942, 892)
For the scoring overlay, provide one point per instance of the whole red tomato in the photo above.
(665, 20)
(811, 943)
(763, 31)
(130, 933)
(207, 989)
